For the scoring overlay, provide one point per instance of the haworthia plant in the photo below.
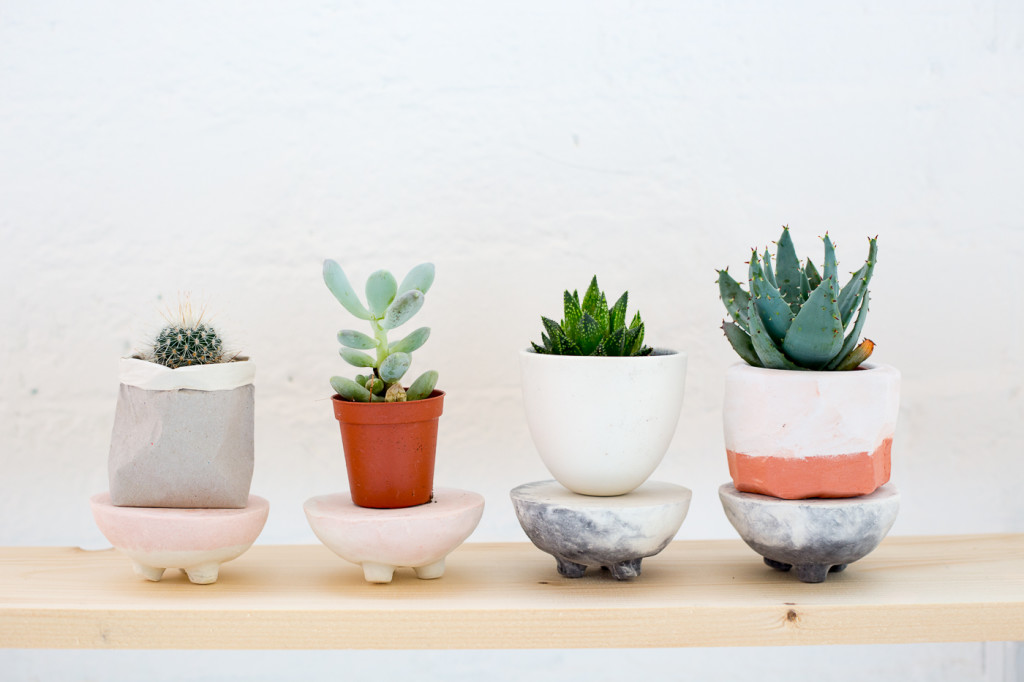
(388, 306)
(793, 317)
(590, 327)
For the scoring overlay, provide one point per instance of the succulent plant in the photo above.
(388, 305)
(592, 328)
(187, 340)
(792, 317)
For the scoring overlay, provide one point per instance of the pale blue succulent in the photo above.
(388, 305)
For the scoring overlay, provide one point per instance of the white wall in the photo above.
(149, 148)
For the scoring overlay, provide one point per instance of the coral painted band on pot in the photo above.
(390, 450)
(795, 435)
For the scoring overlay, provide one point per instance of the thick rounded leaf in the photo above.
(395, 366)
(411, 342)
(422, 387)
(337, 282)
(419, 278)
(402, 309)
(381, 288)
(353, 339)
(355, 358)
(350, 390)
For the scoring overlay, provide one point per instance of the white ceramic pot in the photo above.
(602, 425)
(794, 435)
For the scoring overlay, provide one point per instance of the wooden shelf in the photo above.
(501, 596)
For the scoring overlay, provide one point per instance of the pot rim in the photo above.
(864, 369)
(352, 412)
(220, 376)
(550, 357)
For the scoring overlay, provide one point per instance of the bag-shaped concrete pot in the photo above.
(183, 437)
(390, 450)
(795, 435)
(602, 425)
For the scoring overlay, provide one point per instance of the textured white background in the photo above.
(226, 149)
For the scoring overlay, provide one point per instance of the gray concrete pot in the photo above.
(183, 437)
(814, 536)
(609, 532)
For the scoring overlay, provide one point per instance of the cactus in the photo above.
(388, 305)
(792, 317)
(592, 328)
(187, 340)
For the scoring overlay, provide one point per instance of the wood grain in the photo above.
(502, 596)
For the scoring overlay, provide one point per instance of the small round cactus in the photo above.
(180, 344)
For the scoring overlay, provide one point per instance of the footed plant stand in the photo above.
(381, 540)
(197, 541)
(615, 533)
(814, 536)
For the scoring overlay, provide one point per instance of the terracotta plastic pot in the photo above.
(795, 435)
(602, 425)
(389, 450)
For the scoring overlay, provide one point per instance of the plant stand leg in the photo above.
(812, 573)
(378, 573)
(148, 572)
(777, 565)
(430, 571)
(570, 569)
(203, 574)
(838, 568)
(624, 570)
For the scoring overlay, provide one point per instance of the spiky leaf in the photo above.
(350, 390)
(381, 288)
(767, 352)
(851, 339)
(592, 297)
(394, 367)
(830, 268)
(402, 309)
(816, 334)
(413, 341)
(736, 300)
(772, 308)
(337, 282)
(590, 334)
(617, 314)
(573, 313)
(355, 358)
(353, 339)
(850, 295)
(419, 278)
(766, 264)
(813, 278)
(423, 386)
(787, 271)
(740, 342)
(857, 356)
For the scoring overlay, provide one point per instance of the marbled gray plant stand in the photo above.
(816, 536)
(611, 532)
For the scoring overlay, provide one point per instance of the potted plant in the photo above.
(183, 426)
(388, 431)
(601, 406)
(805, 415)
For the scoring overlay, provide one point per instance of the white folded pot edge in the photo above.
(602, 425)
(222, 376)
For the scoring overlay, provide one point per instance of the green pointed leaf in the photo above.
(734, 298)
(851, 340)
(355, 358)
(599, 352)
(637, 322)
(816, 334)
(740, 342)
(350, 390)
(337, 282)
(602, 315)
(402, 309)
(394, 367)
(542, 350)
(813, 278)
(805, 288)
(851, 294)
(353, 339)
(766, 265)
(422, 387)
(590, 299)
(787, 270)
(420, 278)
(773, 309)
(555, 334)
(636, 347)
(829, 269)
(767, 352)
(614, 344)
(573, 314)
(617, 315)
(381, 288)
(591, 333)
(411, 342)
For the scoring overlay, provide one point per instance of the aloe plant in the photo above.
(794, 318)
(388, 305)
(590, 327)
